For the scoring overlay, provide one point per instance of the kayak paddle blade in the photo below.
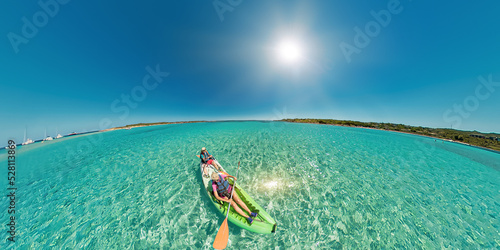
(222, 236)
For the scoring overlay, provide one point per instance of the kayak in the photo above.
(263, 223)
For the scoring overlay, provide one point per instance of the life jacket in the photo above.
(204, 156)
(223, 187)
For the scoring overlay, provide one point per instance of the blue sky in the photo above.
(85, 55)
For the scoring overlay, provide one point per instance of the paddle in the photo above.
(223, 234)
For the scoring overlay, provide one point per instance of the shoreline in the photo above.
(138, 125)
(403, 132)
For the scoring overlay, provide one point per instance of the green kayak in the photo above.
(263, 223)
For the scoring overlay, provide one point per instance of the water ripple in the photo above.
(327, 187)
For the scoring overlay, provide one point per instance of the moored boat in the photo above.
(47, 137)
(28, 140)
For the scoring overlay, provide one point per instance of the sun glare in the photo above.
(289, 51)
(271, 184)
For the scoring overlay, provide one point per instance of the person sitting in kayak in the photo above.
(207, 159)
(222, 191)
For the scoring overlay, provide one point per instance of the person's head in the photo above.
(215, 176)
(203, 149)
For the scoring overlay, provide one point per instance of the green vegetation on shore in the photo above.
(487, 140)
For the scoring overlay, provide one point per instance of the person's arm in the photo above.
(231, 177)
(219, 198)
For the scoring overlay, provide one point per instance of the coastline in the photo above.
(139, 125)
(310, 121)
(432, 137)
(403, 132)
(307, 121)
(41, 142)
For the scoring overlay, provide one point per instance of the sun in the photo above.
(289, 51)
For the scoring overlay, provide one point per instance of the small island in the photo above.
(474, 138)
(137, 125)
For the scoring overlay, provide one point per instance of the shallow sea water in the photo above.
(326, 186)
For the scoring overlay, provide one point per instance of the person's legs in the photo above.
(217, 165)
(240, 202)
(213, 163)
(238, 209)
(205, 169)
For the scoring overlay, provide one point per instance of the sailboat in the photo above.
(58, 135)
(26, 141)
(47, 138)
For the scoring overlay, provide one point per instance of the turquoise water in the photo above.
(326, 186)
